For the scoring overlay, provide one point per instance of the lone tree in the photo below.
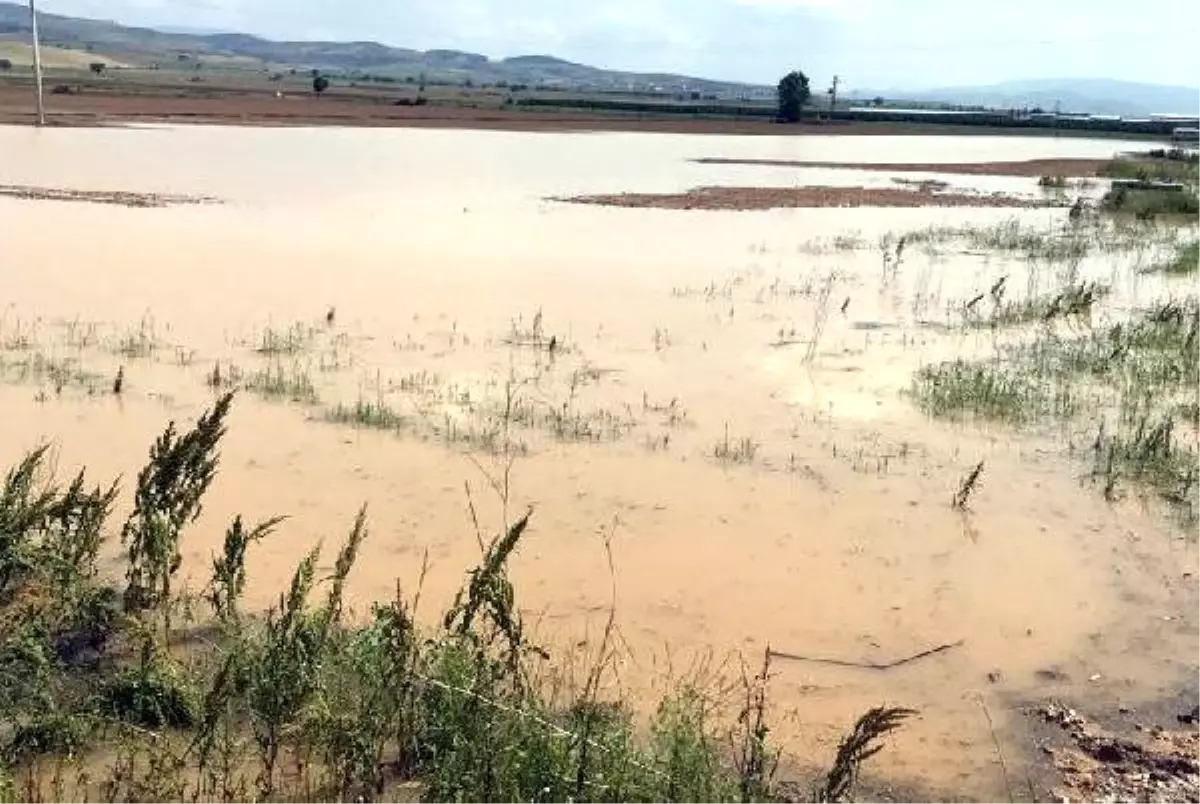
(793, 94)
(5, 64)
(320, 84)
(97, 67)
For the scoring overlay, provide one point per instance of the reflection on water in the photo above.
(679, 330)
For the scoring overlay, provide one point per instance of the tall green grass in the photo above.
(131, 692)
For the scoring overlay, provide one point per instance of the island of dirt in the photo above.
(125, 198)
(757, 198)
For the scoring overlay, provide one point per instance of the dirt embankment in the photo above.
(1029, 167)
(752, 198)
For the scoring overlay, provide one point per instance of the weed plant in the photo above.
(107, 696)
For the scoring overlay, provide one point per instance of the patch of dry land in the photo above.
(119, 197)
(934, 450)
(751, 198)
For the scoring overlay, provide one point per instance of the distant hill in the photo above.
(146, 46)
(1095, 96)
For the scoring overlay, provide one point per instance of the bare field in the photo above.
(727, 396)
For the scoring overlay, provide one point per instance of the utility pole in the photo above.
(37, 65)
(832, 92)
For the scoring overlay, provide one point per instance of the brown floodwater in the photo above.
(829, 534)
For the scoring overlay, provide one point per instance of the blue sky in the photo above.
(879, 44)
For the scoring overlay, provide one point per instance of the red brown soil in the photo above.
(116, 104)
(750, 198)
(1028, 167)
(121, 197)
(1097, 765)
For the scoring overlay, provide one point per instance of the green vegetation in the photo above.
(376, 415)
(1183, 263)
(1149, 203)
(793, 93)
(1075, 301)
(1145, 368)
(1053, 182)
(1012, 236)
(988, 390)
(276, 382)
(134, 694)
(1173, 166)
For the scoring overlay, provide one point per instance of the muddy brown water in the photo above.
(836, 540)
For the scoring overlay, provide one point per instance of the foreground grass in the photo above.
(125, 692)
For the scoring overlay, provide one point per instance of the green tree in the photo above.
(793, 94)
(320, 84)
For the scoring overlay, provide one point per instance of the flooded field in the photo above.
(725, 395)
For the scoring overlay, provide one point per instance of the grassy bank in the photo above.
(140, 690)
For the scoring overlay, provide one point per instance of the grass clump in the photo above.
(1011, 236)
(1184, 262)
(1147, 450)
(140, 343)
(1174, 166)
(276, 382)
(306, 703)
(377, 415)
(291, 341)
(987, 390)
(1145, 204)
(741, 450)
(1075, 301)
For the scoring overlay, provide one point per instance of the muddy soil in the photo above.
(123, 198)
(752, 198)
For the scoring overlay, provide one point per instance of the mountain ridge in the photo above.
(150, 45)
(1080, 95)
(146, 46)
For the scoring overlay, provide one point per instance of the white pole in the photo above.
(37, 65)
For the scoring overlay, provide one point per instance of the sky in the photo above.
(876, 44)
